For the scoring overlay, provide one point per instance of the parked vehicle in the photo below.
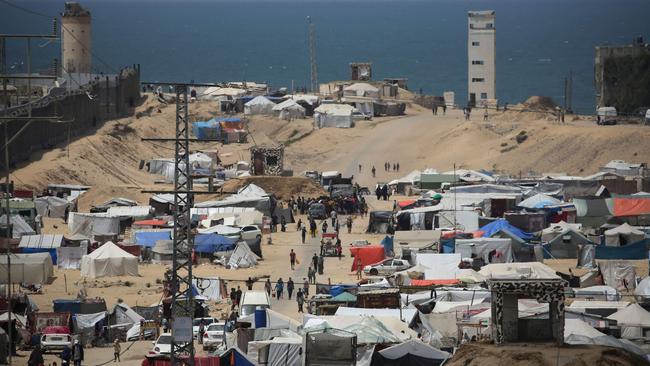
(606, 116)
(162, 346)
(55, 342)
(213, 336)
(312, 174)
(197, 322)
(386, 267)
(317, 211)
(251, 232)
(360, 116)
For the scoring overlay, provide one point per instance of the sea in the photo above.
(539, 42)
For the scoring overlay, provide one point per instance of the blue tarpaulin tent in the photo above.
(149, 238)
(502, 224)
(448, 245)
(210, 243)
(387, 243)
(638, 250)
(339, 289)
(210, 129)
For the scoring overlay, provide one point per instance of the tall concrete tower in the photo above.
(481, 60)
(75, 39)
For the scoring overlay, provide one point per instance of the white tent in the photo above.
(492, 250)
(415, 348)
(70, 257)
(19, 226)
(577, 331)
(361, 90)
(643, 288)
(289, 110)
(559, 228)
(242, 256)
(598, 293)
(624, 234)
(259, 105)
(333, 115)
(91, 224)
(51, 206)
(634, 321)
(27, 268)
(107, 261)
(438, 266)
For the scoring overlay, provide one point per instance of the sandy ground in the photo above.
(108, 160)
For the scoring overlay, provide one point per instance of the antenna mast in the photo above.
(312, 55)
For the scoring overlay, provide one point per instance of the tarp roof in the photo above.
(27, 268)
(405, 314)
(288, 104)
(109, 260)
(210, 243)
(344, 297)
(624, 229)
(50, 241)
(539, 200)
(149, 238)
(526, 270)
(259, 100)
(503, 224)
(19, 225)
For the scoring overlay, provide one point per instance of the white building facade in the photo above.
(481, 58)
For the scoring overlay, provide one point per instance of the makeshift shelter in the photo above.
(41, 244)
(619, 274)
(210, 288)
(633, 320)
(34, 268)
(622, 235)
(289, 110)
(162, 251)
(333, 115)
(361, 90)
(93, 224)
(259, 105)
(51, 206)
(70, 257)
(508, 271)
(148, 238)
(210, 243)
(642, 290)
(415, 240)
(242, 256)
(380, 222)
(496, 226)
(558, 228)
(565, 244)
(108, 261)
(329, 347)
(19, 226)
(491, 250)
(606, 293)
(250, 196)
(370, 254)
(577, 331)
(419, 218)
(438, 266)
(412, 352)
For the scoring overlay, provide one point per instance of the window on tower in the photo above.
(477, 62)
(476, 43)
(483, 95)
(478, 80)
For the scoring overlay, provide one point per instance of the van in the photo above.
(317, 211)
(252, 300)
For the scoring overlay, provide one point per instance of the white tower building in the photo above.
(481, 63)
(75, 40)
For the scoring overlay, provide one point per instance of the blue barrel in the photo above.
(260, 318)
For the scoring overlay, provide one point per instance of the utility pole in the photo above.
(312, 56)
(7, 141)
(183, 242)
(568, 92)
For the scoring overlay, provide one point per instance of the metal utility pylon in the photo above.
(182, 300)
(312, 56)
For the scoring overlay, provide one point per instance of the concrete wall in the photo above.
(99, 101)
(481, 61)
(76, 41)
(606, 93)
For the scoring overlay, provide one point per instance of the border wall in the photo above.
(102, 99)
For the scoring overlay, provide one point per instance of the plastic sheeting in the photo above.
(415, 348)
(69, 257)
(503, 224)
(623, 234)
(210, 243)
(439, 266)
(259, 105)
(35, 268)
(89, 225)
(51, 206)
(107, 261)
(243, 257)
(620, 275)
(285, 352)
(631, 206)
(530, 270)
(632, 319)
(369, 255)
(19, 226)
(633, 251)
(208, 287)
(492, 250)
(86, 321)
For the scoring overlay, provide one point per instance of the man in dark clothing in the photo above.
(249, 283)
(348, 223)
(292, 260)
(378, 192)
(290, 285)
(303, 234)
(238, 294)
(233, 297)
(77, 353)
(201, 331)
(373, 171)
(300, 298)
(314, 260)
(36, 357)
(321, 265)
(283, 223)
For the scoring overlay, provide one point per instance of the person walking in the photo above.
(201, 331)
(279, 288)
(348, 223)
(299, 225)
(249, 283)
(311, 274)
(314, 260)
(36, 357)
(303, 234)
(324, 226)
(321, 265)
(300, 298)
(77, 353)
(238, 294)
(398, 167)
(283, 224)
(290, 286)
(485, 114)
(292, 259)
(267, 286)
(373, 170)
(359, 268)
(359, 168)
(444, 109)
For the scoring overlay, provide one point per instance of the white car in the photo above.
(162, 346)
(197, 321)
(387, 267)
(213, 336)
(250, 232)
(55, 342)
(360, 116)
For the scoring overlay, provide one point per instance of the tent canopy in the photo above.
(33, 268)
(528, 270)
(503, 224)
(107, 261)
(243, 256)
(634, 314)
(210, 243)
(415, 348)
(539, 200)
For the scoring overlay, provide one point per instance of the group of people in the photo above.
(388, 166)
(277, 291)
(235, 297)
(68, 355)
(467, 111)
(435, 106)
(382, 192)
